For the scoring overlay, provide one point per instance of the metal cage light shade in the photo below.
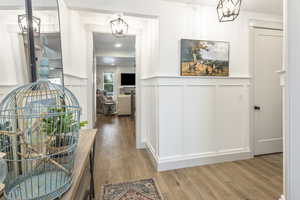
(228, 10)
(119, 27)
(23, 24)
(39, 131)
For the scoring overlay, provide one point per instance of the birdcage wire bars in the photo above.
(39, 131)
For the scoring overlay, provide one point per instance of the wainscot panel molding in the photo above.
(283, 77)
(6, 88)
(199, 121)
(73, 80)
(193, 77)
(78, 85)
(149, 116)
(266, 24)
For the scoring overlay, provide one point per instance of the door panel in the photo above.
(267, 91)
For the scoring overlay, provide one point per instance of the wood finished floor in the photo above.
(117, 161)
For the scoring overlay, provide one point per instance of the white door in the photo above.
(267, 91)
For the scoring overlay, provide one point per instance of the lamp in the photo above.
(228, 10)
(23, 24)
(119, 27)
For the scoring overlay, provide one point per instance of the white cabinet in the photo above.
(124, 105)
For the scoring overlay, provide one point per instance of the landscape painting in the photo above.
(204, 58)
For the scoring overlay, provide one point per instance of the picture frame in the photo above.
(204, 58)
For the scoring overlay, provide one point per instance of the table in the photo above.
(1, 190)
(85, 155)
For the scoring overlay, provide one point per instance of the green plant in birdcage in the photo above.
(6, 126)
(59, 126)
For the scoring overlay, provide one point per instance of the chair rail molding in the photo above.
(276, 25)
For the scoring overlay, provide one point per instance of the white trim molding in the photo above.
(282, 197)
(183, 161)
(277, 25)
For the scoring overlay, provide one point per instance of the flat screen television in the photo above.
(127, 79)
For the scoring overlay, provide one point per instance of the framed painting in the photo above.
(204, 58)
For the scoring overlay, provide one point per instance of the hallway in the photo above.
(117, 160)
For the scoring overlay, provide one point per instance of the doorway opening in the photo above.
(115, 73)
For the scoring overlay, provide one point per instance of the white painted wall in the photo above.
(13, 71)
(182, 21)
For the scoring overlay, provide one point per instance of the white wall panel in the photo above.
(199, 119)
(232, 119)
(170, 120)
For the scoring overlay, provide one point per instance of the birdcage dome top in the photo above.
(35, 98)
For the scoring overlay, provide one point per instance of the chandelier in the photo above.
(23, 24)
(228, 10)
(119, 27)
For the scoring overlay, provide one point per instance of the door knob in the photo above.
(256, 107)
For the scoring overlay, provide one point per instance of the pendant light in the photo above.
(23, 24)
(228, 10)
(119, 27)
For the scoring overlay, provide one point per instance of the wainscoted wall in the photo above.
(5, 89)
(199, 120)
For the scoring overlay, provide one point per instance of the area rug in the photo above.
(138, 190)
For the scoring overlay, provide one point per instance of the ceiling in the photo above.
(36, 4)
(114, 51)
(115, 61)
(264, 6)
(105, 45)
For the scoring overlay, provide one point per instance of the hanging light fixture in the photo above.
(23, 24)
(119, 27)
(228, 10)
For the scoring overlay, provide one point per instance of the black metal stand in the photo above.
(30, 38)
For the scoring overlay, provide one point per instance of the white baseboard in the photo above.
(184, 161)
(282, 197)
(141, 146)
(152, 155)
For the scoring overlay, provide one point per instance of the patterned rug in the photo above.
(138, 190)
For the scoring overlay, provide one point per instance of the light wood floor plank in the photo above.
(117, 161)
